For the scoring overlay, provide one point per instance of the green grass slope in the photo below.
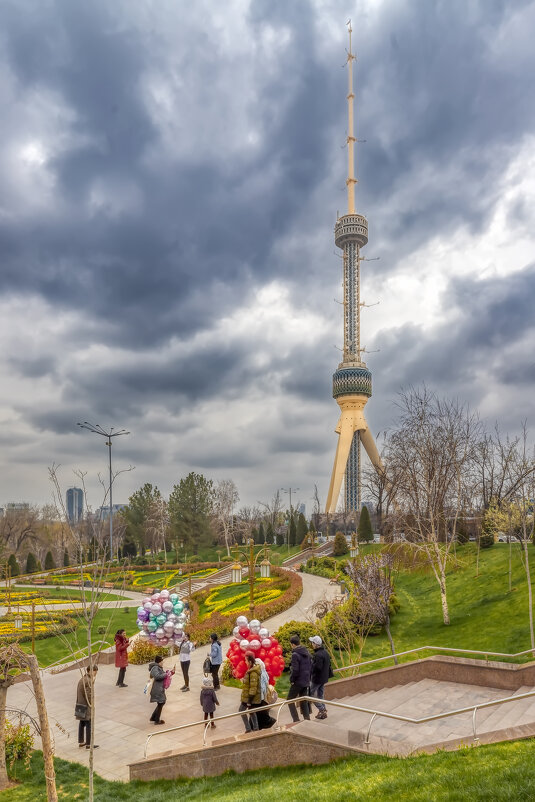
(501, 772)
(484, 614)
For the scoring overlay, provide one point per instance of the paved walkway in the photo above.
(122, 715)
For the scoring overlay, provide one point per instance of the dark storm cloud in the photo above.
(493, 316)
(154, 271)
(185, 170)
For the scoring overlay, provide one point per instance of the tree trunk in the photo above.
(4, 779)
(530, 595)
(390, 640)
(443, 598)
(510, 562)
(46, 740)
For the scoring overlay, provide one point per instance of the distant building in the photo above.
(75, 504)
(103, 513)
(301, 508)
(17, 505)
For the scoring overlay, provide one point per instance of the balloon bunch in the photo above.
(252, 636)
(161, 618)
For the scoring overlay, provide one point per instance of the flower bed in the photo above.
(288, 584)
(46, 625)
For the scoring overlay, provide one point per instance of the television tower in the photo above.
(352, 382)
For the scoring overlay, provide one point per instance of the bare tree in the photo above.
(371, 578)
(316, 514)
(429, 462)
(514, 513)
(90, 601)
(14, 660)
(226, 498)
(157, 525)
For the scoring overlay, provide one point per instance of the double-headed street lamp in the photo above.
(251, 562)
(98, 429)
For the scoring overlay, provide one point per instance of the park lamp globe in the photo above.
(18, 622)
(235, 573)
(265, 569)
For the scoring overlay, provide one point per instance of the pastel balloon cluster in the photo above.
(161, 618)
(251, 636)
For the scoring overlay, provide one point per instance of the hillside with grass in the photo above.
(501, 773)
(485, 614)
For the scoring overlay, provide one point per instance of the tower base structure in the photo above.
(351, 420)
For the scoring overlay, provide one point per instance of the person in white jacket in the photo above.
(184, 655)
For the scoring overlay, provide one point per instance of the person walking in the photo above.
(265, 720)
(216, 658)
(300, 668)
(184, 656)
(157, 692)
(209, 699)
(321, 671)
(121, 656)
(84, 706)
(251, 695)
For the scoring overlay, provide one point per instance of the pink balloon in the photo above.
(155, 597)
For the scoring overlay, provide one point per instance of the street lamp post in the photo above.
(98, 429)
(290, 490)
(251, 562)
(7, 576)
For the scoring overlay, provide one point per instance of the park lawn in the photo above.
(484, 615)
(60, 647)
(501, 773)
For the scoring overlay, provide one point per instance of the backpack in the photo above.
(207, 665)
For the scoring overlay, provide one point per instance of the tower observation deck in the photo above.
(352, 381)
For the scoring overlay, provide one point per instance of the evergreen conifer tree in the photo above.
(49, 561)
(280, 539)
(292, 532)
(66, 562)
(365, 531)
(269, 533)
(302, 528)
(340, 544)
(261, 534)
(31, 563)
(13, 564)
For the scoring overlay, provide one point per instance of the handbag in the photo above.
(271, 695)
(80, 712)
(148, 687)
(207, 665)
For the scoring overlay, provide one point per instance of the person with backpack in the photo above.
(216, 658)
(251, 695)
(184, 656)
(321, 671)
(300, 668)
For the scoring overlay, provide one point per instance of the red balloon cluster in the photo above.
(252, 637)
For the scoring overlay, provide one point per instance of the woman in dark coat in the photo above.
(157, 692)
(121, 656)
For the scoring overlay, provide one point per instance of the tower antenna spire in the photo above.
(351, 180)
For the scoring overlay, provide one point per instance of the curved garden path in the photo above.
(122, 714)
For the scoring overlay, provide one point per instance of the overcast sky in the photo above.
(170, 174)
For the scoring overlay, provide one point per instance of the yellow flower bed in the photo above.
(261, 597)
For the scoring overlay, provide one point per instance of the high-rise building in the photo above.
(352, 382)
(75, 504)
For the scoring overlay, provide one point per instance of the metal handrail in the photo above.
(83, 649)
(206, 723)
(374, 714)
(435, 649)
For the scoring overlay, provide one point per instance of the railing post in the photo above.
(367, 740)
(474, 724)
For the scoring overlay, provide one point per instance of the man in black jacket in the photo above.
(299, 677)
(321, 671)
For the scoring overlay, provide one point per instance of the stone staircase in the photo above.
(419, 699)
